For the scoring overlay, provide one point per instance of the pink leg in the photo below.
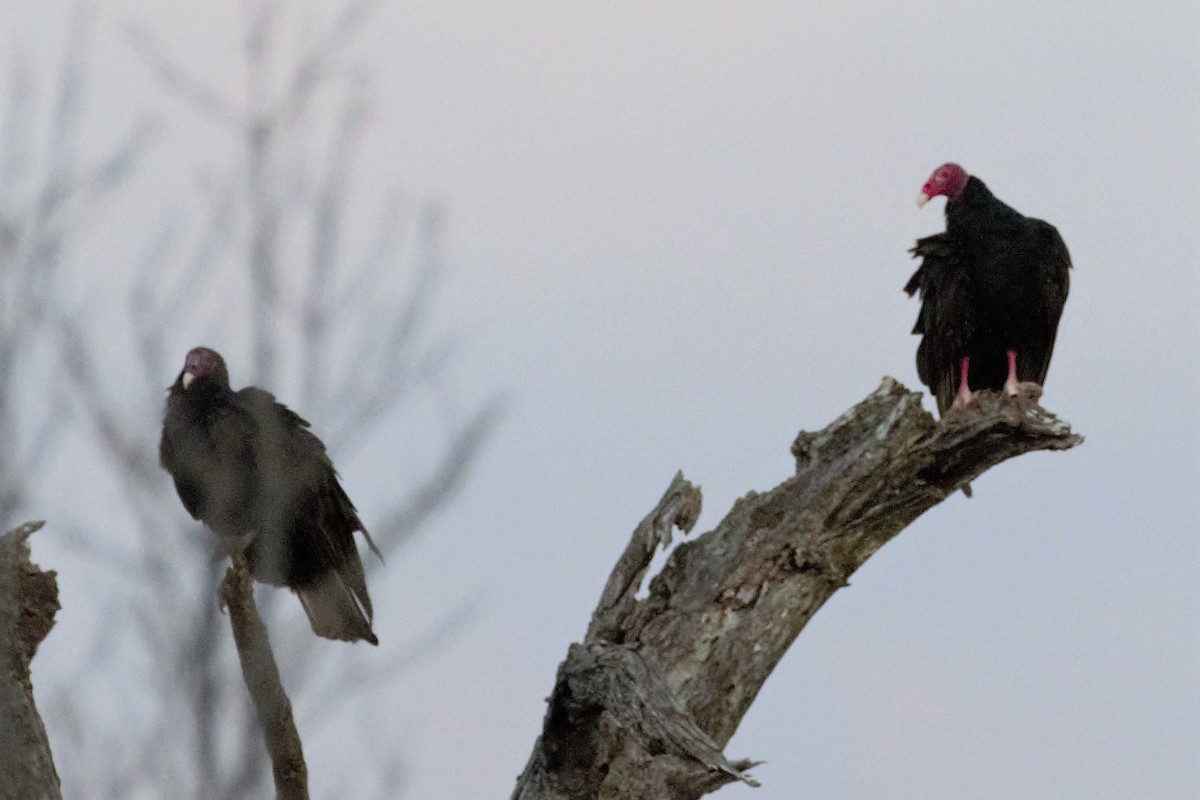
(1014, 387)
(963, 398)
(1010, 386)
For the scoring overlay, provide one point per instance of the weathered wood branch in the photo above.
(28, 603)
(262, 680)
(645, 705)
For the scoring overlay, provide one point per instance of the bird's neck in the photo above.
(978, 210)
(202, 400)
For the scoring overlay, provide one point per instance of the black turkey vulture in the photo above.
(249, 469)
(992, 290)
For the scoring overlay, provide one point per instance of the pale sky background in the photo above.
(677, 235)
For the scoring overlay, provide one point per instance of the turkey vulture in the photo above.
(249, 468)
(992, 290)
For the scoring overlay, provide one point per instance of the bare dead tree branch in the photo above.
(181, 82)
(644, 706)
(28, 603)
(262, 680)
(437, 489)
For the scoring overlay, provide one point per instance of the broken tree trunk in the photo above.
(28, 603)
(645, 705)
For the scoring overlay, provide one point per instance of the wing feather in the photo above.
(307, 519)
(943, 321)
(1053, 278)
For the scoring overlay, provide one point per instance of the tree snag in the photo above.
(645, 705)
(262, 680)
(28, 603)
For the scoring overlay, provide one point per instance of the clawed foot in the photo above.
(962, 400)
(1025, 390)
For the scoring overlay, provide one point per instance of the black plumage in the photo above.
(249, 469)
(992, 290)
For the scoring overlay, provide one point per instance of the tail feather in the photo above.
(337, 609)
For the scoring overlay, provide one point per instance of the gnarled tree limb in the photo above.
(28, 603)
(645, 705)
(262, 680)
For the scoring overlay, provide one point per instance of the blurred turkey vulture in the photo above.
(250, 469)
(992, 290)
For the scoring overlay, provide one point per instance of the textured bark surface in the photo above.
(644, 707)
(28, 603)
(262, 680)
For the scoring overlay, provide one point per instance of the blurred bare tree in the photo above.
(48, 194)
(328, 291)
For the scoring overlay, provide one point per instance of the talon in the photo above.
(1029, 390)
(1023, 390)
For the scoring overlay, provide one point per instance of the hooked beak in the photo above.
(186, 378)
(922, 199)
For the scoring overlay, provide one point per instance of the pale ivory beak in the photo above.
(187, 378)
(922, 199)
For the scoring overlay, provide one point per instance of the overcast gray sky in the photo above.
(677, 234)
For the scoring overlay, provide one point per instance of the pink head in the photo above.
(948, 179)
(202, 362)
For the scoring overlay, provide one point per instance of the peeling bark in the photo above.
(644, 707)
(28, 603)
